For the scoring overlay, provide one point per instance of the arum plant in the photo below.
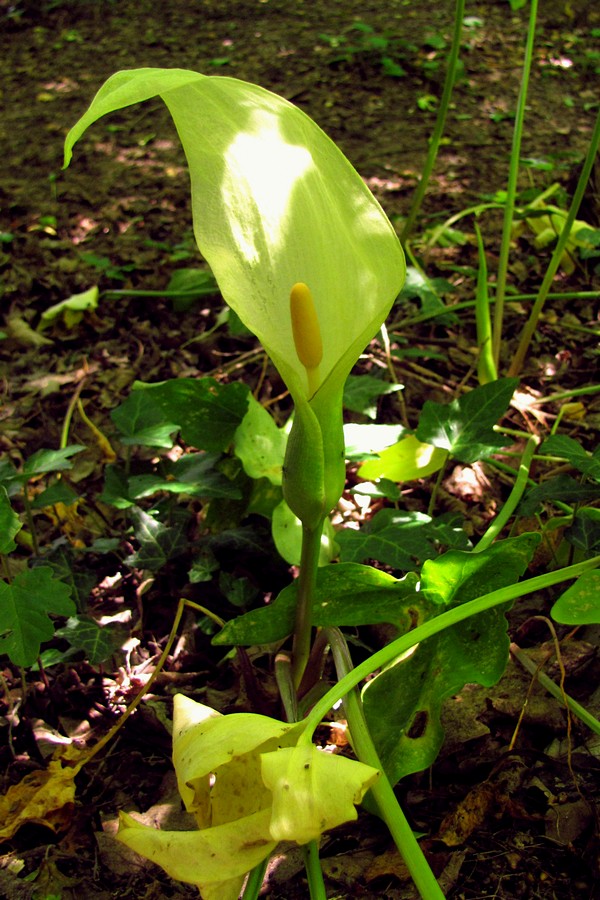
(308, 260)
(250, 782)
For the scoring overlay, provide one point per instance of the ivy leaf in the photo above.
(564, 488)
(43, 461)
(361, 392)
(345, 594)
(402, 540)
(584, 533)
(26, 605)
(571, 450)
(206, 413)
(465, 427)
(83, 633)
(158, 542)
(410, 692)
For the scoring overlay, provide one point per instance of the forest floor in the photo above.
(119, 219)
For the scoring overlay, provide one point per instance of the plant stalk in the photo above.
(382, 791)
(307, 579)
(434, 626)
(440, 122)
(511, 191)
(530, 326)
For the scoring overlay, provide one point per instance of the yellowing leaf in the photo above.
(313, 791)
(45, 798)
(405, 461)
(214, 859)
(217, 760)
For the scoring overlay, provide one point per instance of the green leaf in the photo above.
(83, 633)
(465, 427)
(195, 474)
(60, 492)
(418, 285)
(116, 488)
(158, 542)
(398, 539)
(406, 460)
(364, 441)
(287, 535)
(571, 450)
(26, 605)
(206, 413)
(361, 392)
(260, 444)
(403, 703)
(346, 594)
(10, 523)
(195, 283)
(72, 308)
(584, 533)
(580, 604)
(563, 488)
(43, 461)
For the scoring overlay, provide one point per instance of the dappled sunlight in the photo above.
(270, 168)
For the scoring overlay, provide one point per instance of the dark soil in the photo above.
(119, 218)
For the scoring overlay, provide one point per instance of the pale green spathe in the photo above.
(275, 202)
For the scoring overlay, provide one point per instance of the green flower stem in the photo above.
(434, 626)
(580, 711)
(530, 326)
(511, 191)
(387, 802)
(440, 122)
(255, 879)
(314, 872)
(514, 497)
(307, 579)
(566, 395)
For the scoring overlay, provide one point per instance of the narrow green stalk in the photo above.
(434, 626)
(511, 191)
(530, 326)
(566, 395)
(255, 879)
(439, 123)
(314, 872)
(514, 497)
(307, 579)
(576, 708)
(382, 791)
(486, 366)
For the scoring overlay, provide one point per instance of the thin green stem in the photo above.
(439, 123)
(314, 872)
(580, 711)
(511, 191)
(382, 791)
(255, 879)
(565, 395)
(530, 326)
(514, 497)
(307, 579)
(469, 304)
(486, 366)
(434, 626)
